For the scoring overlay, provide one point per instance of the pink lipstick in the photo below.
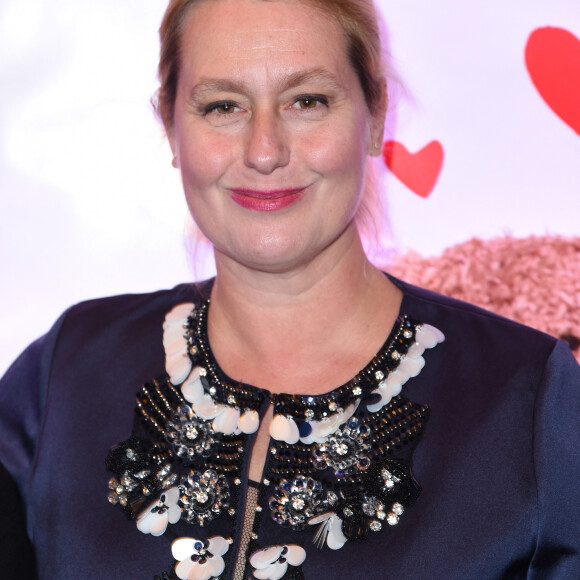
(271, 200)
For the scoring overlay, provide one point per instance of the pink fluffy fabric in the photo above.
(533, 280)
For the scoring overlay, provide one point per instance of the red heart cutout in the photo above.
(418, 171)
(553, 61)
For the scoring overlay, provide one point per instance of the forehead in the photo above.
(277, 35)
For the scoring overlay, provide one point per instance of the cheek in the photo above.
(341, 154)
(203, 162)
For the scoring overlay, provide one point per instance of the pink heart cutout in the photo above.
(418, 171)
(553, 62)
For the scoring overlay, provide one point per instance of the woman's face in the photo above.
(271, 131)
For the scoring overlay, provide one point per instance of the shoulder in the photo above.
(474, 333)
(133, 313)
(110, 333)
(96, 347)
(111, 308)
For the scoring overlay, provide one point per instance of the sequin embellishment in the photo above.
(204, 496)
(324, 469)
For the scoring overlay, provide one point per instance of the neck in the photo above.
(322, 322)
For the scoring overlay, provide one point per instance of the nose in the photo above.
(266, 146)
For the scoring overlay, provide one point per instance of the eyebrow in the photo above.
(209, 85)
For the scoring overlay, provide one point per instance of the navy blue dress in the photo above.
(489, 453)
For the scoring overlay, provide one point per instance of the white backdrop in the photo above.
(89, 203)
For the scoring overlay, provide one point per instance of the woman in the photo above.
(286, 433)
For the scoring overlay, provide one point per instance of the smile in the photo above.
(271, 200)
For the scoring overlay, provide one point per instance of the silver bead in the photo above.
(201, 496)
(298, 504)
(368, 509)
(398, 509)
(379, 375)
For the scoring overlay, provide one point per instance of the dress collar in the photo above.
(233, 405)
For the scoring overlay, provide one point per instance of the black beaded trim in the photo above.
(399, 425)
(301, 407)
(289, 460)
(396, 429)
(159, 400)
(306, 407)
(153, 404)
(222, 389)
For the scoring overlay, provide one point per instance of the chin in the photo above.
(278, 249)
(278, 257)
(277, 261)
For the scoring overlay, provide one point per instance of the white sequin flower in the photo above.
(160, 513)
(226, 419)
(272, 563)
(410, 365)
(197, 559)
(329, 531)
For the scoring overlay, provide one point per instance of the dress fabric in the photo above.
(498, 461)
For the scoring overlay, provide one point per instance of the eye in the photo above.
(221, 108)
(310, 101)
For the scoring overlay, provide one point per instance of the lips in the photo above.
(266, 200)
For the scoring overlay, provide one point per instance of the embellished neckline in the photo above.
(301, 406)
(339, 462)
(234, 406)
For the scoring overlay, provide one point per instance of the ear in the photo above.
(378, 122)
(173, 145)
(376, 146)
